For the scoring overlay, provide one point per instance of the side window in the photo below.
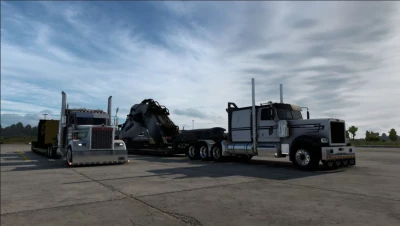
(265, 114)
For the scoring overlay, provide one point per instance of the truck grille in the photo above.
(338, 134)
(101, 138)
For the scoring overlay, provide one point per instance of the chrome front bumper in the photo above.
(99, 157)
(335, 153)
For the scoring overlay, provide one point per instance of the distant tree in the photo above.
(353, 130)
(28, 130)
(367, 135)
(393, 135)
(18, 130)
(19, 125)
(371, 136)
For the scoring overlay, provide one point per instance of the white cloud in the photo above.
(337, 58)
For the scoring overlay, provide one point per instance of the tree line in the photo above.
(373, 136)
(18, 130)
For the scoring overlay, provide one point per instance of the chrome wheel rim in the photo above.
(303, 157)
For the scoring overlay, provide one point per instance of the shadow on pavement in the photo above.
(265, 169)
(262, 172)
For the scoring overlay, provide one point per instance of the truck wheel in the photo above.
(193, 153)
(216, 153)
(203, 151)
(49, 151)
(68, 158)
(305, 158)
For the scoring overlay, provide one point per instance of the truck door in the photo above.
(267, 127)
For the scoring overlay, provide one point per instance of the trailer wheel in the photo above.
(217, 153)
(68, 158)
(193, 153)
(305, 158)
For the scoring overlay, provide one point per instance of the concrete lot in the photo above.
(153, 190)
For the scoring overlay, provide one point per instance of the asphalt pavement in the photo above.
(155, 190)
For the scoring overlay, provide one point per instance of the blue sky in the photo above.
(338, 58)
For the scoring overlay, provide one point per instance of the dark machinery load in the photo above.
(148, 127)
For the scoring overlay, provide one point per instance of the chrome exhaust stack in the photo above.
(61, 125)
(254, 117)
(281, 91)
(109, 110)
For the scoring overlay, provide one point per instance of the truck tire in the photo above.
(216, 153)
(193, 153)
(305, 157)
(68, 157)
(48, 152)
(203, 152)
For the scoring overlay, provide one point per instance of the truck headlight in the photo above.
(324, 140)
(118, 144)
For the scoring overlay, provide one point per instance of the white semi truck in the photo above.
(279, 130)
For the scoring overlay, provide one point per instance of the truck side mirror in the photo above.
(272, 113)
(308, 115)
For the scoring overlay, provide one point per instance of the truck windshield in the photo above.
(90, 121)
(286, 114)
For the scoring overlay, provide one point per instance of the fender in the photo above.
(314, 140)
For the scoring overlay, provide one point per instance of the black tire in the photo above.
(69, 157)
(193, 153)
(305, 157)
(216, 153)
(203, 152)
(51, 152)
(48, 154)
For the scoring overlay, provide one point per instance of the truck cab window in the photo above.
(265, 114)
(284, 114)
(297, 115)
(90, 121)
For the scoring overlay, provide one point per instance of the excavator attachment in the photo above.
(148, 126)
